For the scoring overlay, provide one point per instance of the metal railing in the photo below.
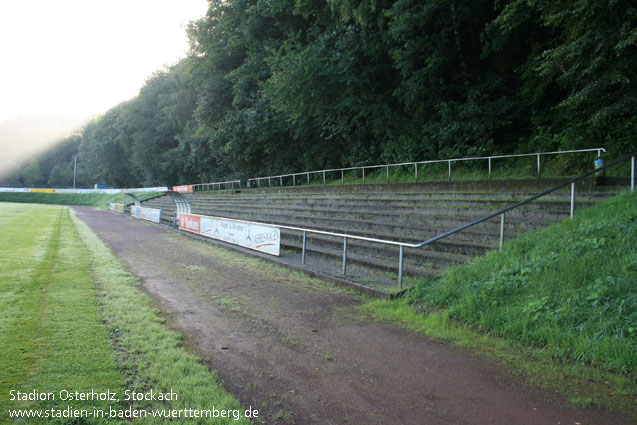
(500, 213)
(216, 185)
(305, 175)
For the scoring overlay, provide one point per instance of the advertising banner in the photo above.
(117, 207)
(186, 188)
(190, 222)
(37, 190)
(14, 189)
(150, 214)
(260, 237)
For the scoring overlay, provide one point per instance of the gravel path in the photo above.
(296, 350)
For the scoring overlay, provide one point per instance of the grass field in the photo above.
(73, 319)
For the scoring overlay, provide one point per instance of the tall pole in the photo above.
(74, 170)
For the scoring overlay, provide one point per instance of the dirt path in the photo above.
(297, 351)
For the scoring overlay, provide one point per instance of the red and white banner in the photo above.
(185, 188)
(190, 222)
(259, 237)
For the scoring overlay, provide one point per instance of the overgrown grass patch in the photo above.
(568, 293)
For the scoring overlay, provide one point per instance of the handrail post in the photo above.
(449, 162)
(323, 176)
(572, 198)
(539, 170)
(416, 171)
(363, 175)
(293, 180)
(387, 174)
(632, 174)
(489, 168)
(400, 268)
(342, 176)
(304, 245)
(281, 180)
(501, 230)
(269, 182)
(345, 256)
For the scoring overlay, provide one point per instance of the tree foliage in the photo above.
(290, 85)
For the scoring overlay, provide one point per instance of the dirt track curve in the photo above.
(298, 352)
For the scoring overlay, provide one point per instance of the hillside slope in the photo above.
(570, 288)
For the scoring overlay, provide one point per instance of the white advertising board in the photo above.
(150, 214)
(139, 189)
(117, 207)
(255, 236)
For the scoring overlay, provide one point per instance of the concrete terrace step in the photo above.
(485, 186)
(466, 243)
(415, 256)
(384, 264)
(401, 206)
(400, 226)
(409, 213)
(415, 216)
(368, 195)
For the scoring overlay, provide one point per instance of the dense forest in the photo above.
(273, 86)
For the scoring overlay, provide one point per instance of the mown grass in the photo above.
(100, 200)
(72, 318)
(568, 292)
(51, 333)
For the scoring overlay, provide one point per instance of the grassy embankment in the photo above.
(100, 200)
(560, 304)
(71, 318)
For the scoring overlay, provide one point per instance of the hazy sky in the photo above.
(80, 57)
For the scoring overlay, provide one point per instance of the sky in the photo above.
(81, 57)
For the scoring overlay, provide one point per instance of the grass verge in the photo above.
(100, 200)
(73, 319)
(154, 355)
(560, 304)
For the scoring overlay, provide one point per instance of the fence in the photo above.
(216, 185)
(489, 159)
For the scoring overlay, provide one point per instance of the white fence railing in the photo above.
(299, 176)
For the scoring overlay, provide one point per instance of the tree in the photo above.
(61, 175)
(31, 174)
